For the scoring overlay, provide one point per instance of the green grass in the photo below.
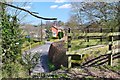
(115, 67)
(77, 47)
(81, 43)
(54, 40)
(51, 66)
(78, 44)
(27, 45)
(98, 34)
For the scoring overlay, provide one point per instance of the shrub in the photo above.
(30, 61)
(13, 70)
(51, 66)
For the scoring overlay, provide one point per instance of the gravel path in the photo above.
(42, 65)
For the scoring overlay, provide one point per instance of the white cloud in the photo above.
(59, 1)
(31, 3)
(65, 6)
(54, 6)
(26, 7)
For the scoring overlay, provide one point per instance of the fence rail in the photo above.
(86, 34)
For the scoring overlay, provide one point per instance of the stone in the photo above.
(57, 54)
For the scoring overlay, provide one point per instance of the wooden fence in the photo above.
(91, 33)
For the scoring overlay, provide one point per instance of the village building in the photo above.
(56, 29)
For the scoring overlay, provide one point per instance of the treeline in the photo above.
(94, 15)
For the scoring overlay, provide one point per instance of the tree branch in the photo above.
(28, 12)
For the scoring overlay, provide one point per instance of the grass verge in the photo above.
(32, 46)
(51, 66)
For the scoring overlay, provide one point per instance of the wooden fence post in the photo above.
(111, 30)
(101, 36)
(110, 58)
(119, 35)
(69, 40)
(69, 62)
(87, 36)
(68, 48)
(84, 36)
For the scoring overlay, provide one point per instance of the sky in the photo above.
(59, 10)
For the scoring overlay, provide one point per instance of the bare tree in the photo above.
(31, 13)
(100, 12)
(72, 22)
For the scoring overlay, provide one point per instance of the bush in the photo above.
(30, 61)
(60, 35)
(13, 70)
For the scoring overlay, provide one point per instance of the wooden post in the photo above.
(69, 30)
(69, 40)
(111, 30)
(119, 35)
(81, 56)
(84, 36)
(68, 48)
(110, 49)
(110, 59)
(101, 36)
(87, 36)
(69, 62)
(41, 31)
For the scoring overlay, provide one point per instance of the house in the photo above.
(56, 29)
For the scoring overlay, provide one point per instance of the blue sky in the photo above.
(61, 11)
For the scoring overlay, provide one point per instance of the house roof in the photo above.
(59, 27)
(55, 27)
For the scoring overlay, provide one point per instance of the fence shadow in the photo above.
(101, 59)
